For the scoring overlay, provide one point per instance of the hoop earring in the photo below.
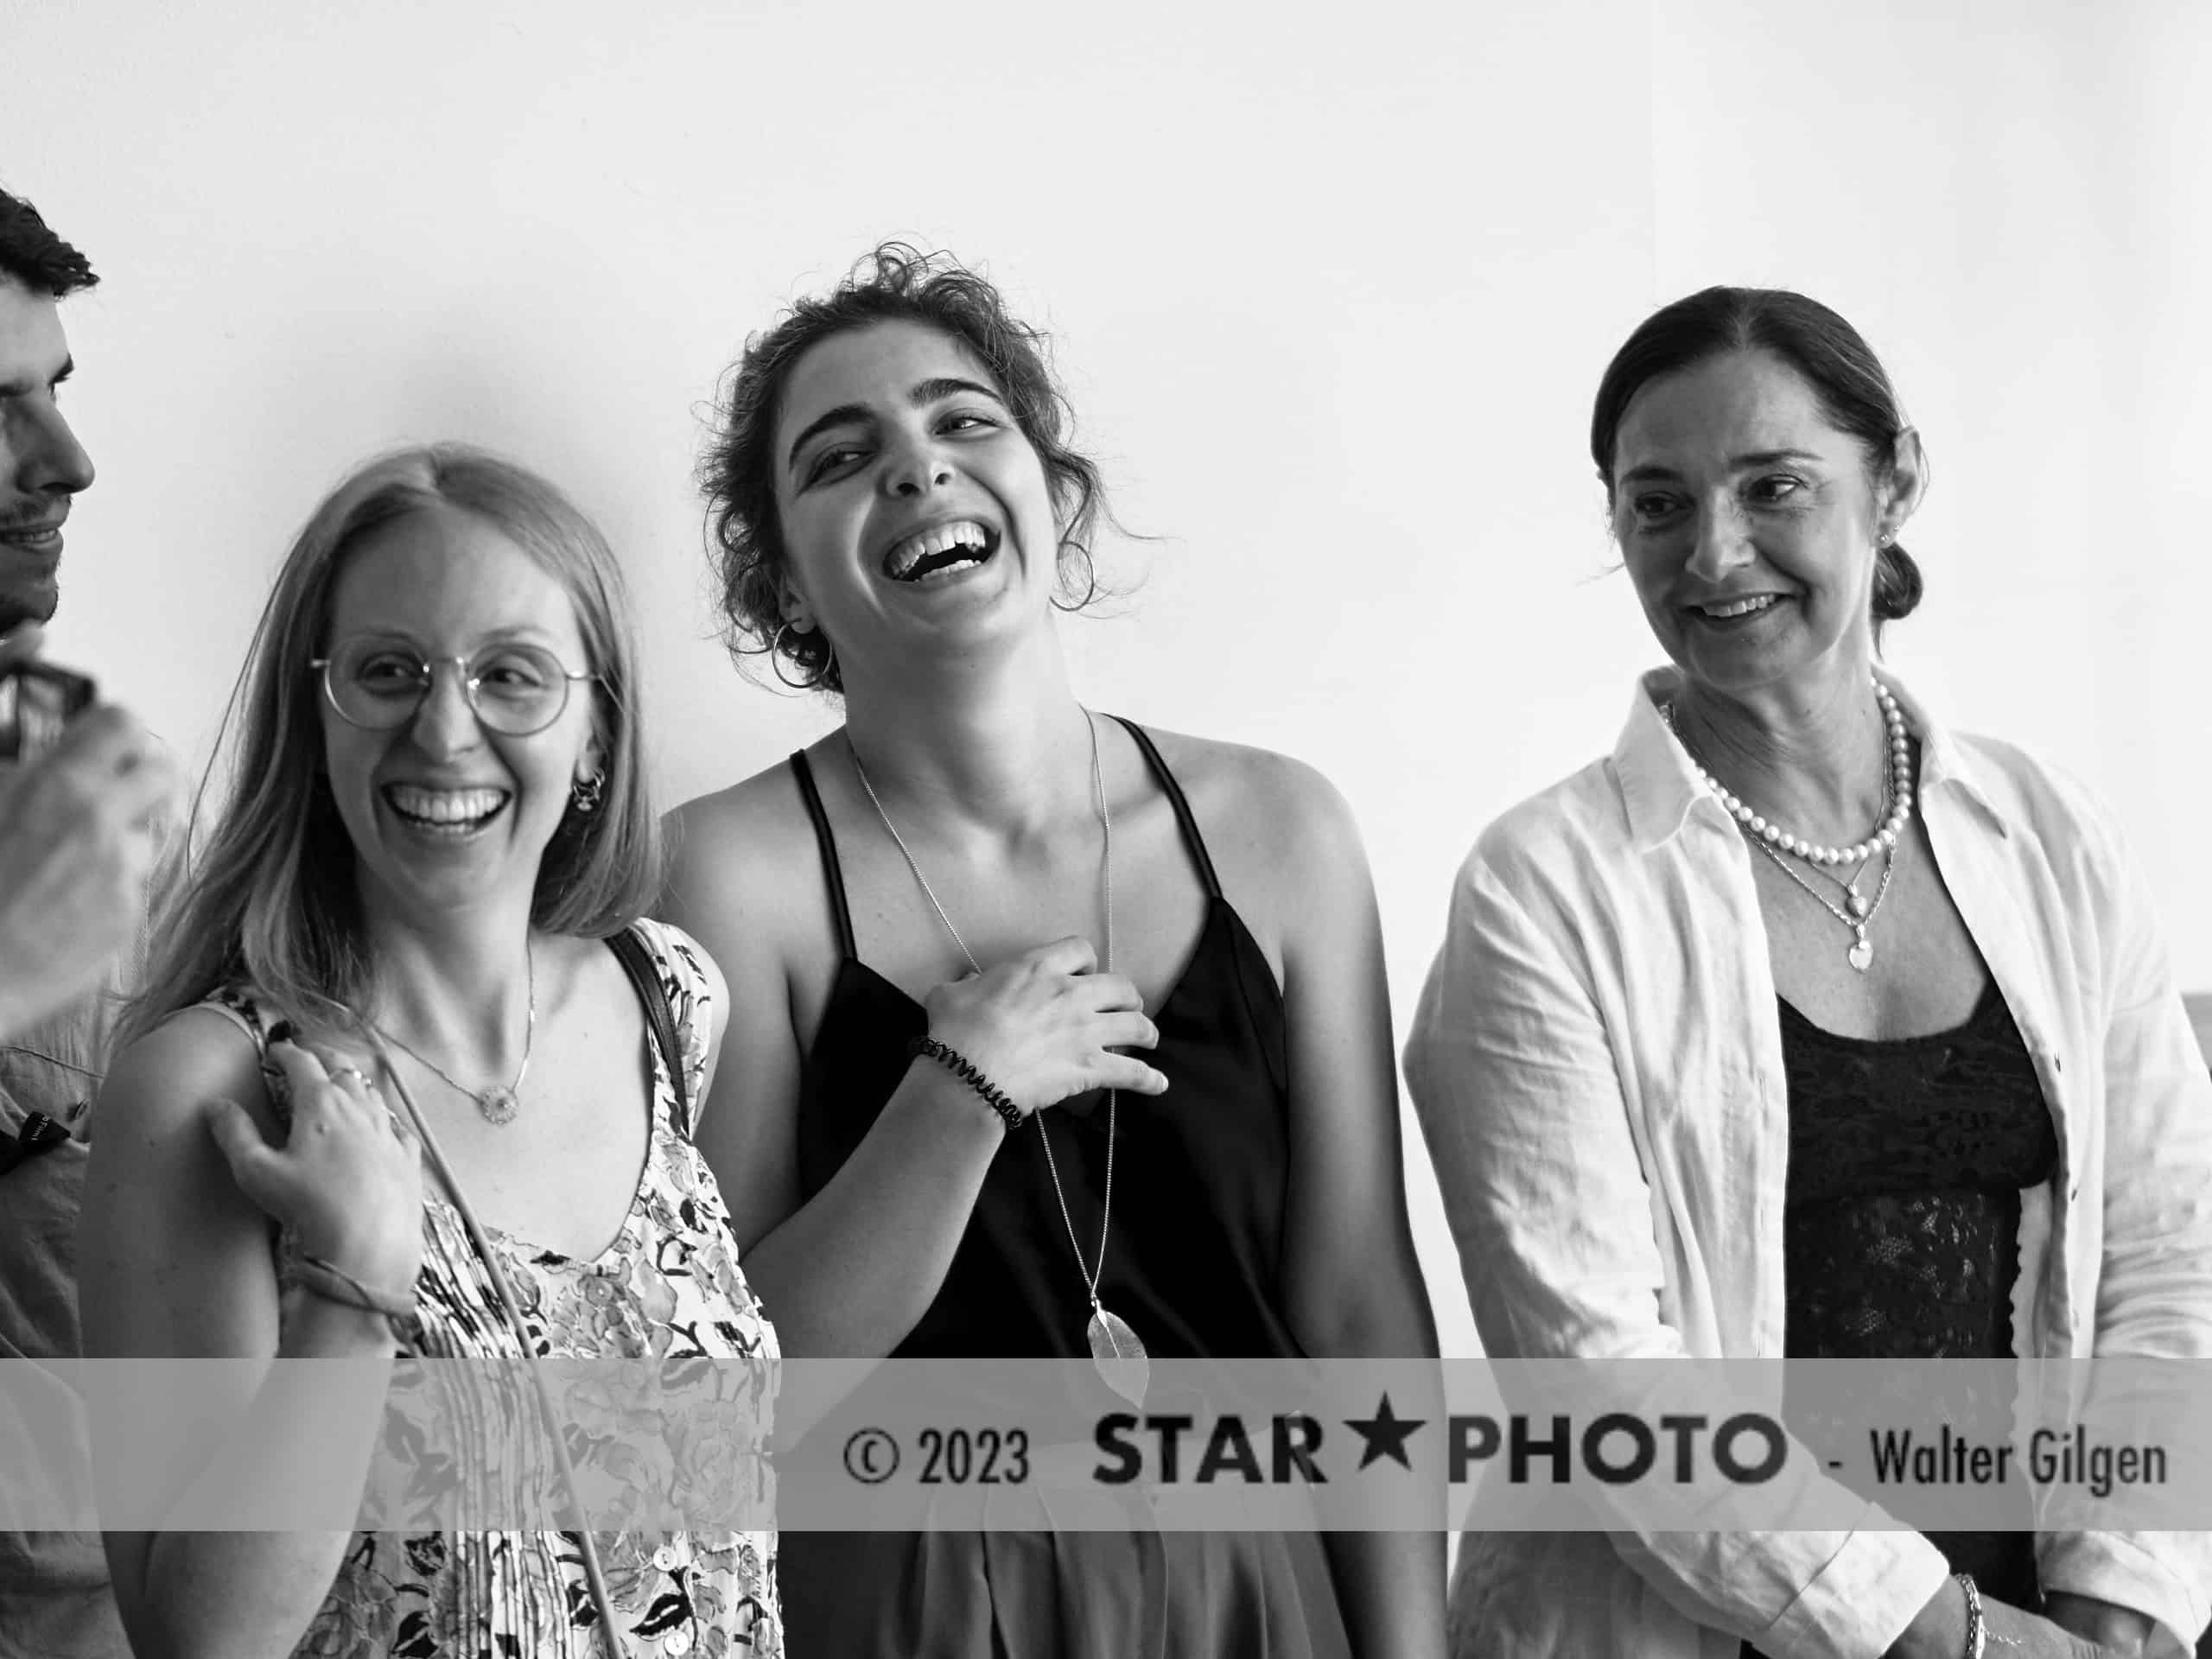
(1090, 579)
(813, 681)
(585, 794)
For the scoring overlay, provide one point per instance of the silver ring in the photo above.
(368, 1082)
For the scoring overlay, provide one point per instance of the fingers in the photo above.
(1130, 1029)
(22, 644)
(1127, 1072)
(241, 1139)
(1111, 993)
(1068, 956)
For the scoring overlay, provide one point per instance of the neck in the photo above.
(1814, 759)
(456, 985)
(1001, 745)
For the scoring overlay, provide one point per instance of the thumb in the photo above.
(240, 1138)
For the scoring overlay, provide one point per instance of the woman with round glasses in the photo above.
(1054, 1037)
(1803, 1027)
(396, 944)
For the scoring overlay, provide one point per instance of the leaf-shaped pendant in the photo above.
(1120, 1358)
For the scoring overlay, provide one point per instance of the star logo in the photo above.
(1384, 1434)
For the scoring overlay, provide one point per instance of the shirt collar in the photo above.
(1660, 788)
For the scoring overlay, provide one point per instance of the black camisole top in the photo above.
(1194, 1251)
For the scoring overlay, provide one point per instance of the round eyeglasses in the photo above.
(515, 689)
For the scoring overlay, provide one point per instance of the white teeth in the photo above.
(445, 805)
(965, 533)
(1739, 607)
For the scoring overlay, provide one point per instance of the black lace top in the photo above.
(1901, 1222)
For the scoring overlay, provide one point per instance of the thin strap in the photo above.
(1196, 842)
(630, 949)
(832, 874)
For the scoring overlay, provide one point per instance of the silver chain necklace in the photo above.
(1115, 1348)
(495, 1103)
(1890, 847)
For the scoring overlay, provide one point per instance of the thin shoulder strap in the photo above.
(637, 962)
(1183, 816)
(833, 875)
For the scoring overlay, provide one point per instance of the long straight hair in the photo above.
(271, 902)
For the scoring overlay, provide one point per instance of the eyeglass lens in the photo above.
(515, 687)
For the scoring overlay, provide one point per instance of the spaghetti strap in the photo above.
(1175, 799)
(832, 875)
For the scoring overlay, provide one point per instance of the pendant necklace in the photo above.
(1886, 841)
(1115, 1348)
(495, 1102)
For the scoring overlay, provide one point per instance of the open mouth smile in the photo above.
(33, 538)
(1731, 610)
(940, 550)
(445, 811)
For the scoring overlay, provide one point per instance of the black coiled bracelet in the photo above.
(957, 1064)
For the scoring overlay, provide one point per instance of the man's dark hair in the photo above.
(34, 256)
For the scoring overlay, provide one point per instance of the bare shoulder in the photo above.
(168, 1076)
(743, 862)
(1256, 804)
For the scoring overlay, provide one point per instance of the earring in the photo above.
(1090, 577)
(585, 793)
(1885, 538)
(813, 681)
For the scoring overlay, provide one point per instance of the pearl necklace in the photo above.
(1774, 841)
(1885, 834)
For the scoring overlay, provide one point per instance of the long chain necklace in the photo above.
(495, 1103)
(1887, 840)
(1115, 1348)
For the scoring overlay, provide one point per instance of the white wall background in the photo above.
(1332, 291)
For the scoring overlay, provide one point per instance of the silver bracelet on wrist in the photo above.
(1977, 1629)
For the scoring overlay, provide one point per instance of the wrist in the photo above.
(956, 1065)
(316, 1327)
(1938, 1630)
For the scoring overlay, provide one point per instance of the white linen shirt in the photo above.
(1597, 1065)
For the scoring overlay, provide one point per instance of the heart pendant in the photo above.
(1120, 1358)
(1860, 954)
(1857, 900)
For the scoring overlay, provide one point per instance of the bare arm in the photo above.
(1350, 1275)
(175, 1263)
(848, 1273)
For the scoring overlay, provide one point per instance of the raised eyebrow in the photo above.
(936, 389)
(1772, 458)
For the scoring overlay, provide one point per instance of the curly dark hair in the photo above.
(894, 284)
(34, 256)
(1848, 379)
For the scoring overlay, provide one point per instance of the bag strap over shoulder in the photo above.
(637, 962)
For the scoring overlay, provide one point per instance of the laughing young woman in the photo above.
(976, 858)
(401, 925)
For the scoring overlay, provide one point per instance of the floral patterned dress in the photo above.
(667, 1289)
